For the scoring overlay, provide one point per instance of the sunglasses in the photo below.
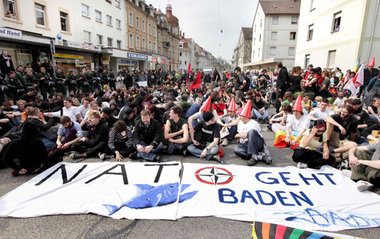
(91, 120)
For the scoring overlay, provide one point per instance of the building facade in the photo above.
(274, 32)
(243, 50)
(186, 53)
(337, 33)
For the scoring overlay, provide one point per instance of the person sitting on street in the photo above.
(206, 138)
(227, 121)
(260, 109)
(307, 154)
(96, 140)
(147, 137)
(365, 166)
(176, 132)
(251, 139)
(120, 142)
(278, 121)
(320, 112)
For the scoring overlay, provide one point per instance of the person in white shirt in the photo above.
(68, 110)
(84, 108)
(251, 138)
(321, 112)
(340, 100)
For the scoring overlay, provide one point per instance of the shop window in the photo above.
(310, 32)
(109, 41)
(336, 22)
(64, 21)
(98, 16)
(109, 20)
(40, 14)
(293, 35)
(10, 10)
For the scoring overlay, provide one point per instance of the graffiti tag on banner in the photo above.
(307, 199)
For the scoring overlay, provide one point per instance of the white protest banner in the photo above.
(142, 83)
(308, 199)
(118, 190)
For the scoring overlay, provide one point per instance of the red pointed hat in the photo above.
(298, 105)
(246, 111)
(232, 106)
(372, 62)
(206, 105)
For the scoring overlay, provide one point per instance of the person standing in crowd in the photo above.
(282, 84)
(6, 63)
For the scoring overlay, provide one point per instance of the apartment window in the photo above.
(100, 39)
(260, 38)
(143, 44)
(180, 54)
(109, 1)
(254, 41)
(312, 5)
(310, 32)
(137, 22)
(117, 3)
(118, 24)
(150, 46)
(85, 10)
(258, 52)
(294, 20)
(137, 42)
(261, 23)
(87, 36)
(272, 50)
(130, 19)
(291, 51)
(331, 59)
(40, 14)
(109, 20)
(109, 41)
(10, 10)
(64, 21)
(150, 28)
(275, 20)
(255, 28)
(154, 30)
(130, 40)
(143, 25)
(274, 35)
(154, 47)
(253, 54)
(118, 42)
(98, 16)
(336, 22)
(292, 35)
(307, 60)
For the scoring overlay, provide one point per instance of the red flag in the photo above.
(197, 83)
(189, 69)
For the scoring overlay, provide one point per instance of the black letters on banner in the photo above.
(161, 166)
(108, 171)
(64, 174)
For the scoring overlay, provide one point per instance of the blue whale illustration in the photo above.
(150, 196)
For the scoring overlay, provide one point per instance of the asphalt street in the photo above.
(94, 226)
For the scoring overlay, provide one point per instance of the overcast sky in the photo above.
(203, 21)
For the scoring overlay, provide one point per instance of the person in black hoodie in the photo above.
(282, 84)
(147, 137)
(30, 151)
(96, 140)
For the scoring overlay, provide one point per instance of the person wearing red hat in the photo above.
(206, 138)
(251, 139)
(227, 121)
(370, 72)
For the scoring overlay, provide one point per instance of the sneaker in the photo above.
(216, 158)
(301, 165)
(266, 155)
(157, 159)
(102, 156)
(362, 185)
(347, 173)
(225, 142)
(252, 161)
(133, 156)
(75, 156)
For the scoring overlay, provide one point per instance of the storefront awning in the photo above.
(263, 63)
